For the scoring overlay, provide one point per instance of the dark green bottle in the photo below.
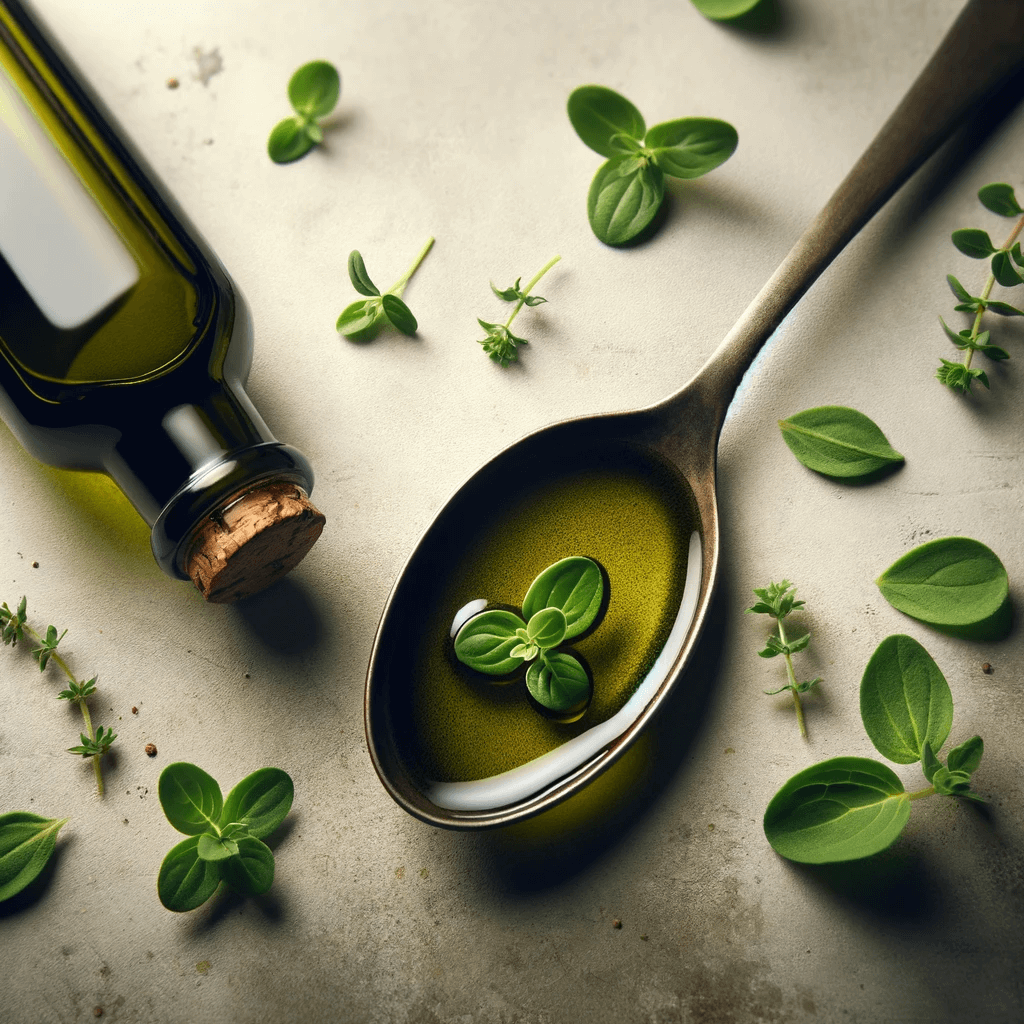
(124, 346)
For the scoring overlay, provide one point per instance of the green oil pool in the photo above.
(627, 511)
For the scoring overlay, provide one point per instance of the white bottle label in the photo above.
(54, 237)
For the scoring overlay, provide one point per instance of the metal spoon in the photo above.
(979, 52)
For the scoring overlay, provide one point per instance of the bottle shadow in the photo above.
(283, 619)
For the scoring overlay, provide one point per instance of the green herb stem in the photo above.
(918, 794)
(793, 684)
(533, 282)
(976, 326)
(97, 769)
(83, 707)
(399, 286)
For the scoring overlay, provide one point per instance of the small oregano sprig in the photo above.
(778, 600)
(563, 602)
(225, 836)
(1005, 263)
(629, 187)
(95, 742)
(313, 92)
(500, 343)
(362, 320)
(852, 807)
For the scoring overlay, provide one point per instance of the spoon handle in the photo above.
(983, 47)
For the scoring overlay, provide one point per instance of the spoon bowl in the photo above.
(676, 441)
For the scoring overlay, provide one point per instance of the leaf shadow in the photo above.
(996, 627)
(768, 18)
(866, 480)
(543, 853)
(335, 123)
(38, 887)
(282, 832)
(896, 886)
(226, 902)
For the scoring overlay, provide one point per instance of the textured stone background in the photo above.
(452, 124)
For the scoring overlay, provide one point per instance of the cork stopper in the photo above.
(252, 542)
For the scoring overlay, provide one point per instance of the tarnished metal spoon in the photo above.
(983, 47)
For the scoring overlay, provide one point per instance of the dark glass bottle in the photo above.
(124, 346)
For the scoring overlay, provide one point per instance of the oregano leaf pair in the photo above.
(847, 808)
(562, 603)
(313, 92)
(225, 835)
(361, 320)
(628, 189)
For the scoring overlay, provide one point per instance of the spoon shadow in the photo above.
(544, 852)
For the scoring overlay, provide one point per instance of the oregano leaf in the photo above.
(598, 114)
(838, 442)
(260, 802)
(314, 88)
(190, 798)
(251, 870)
(358, 316)
(967, 756)
(358, 276)
(558, 682)
(624, 197)
(546, 628)
(399, 314)
(27, 842)
(485, 642)
(288, 141)
(974, 242)
(952, 581)
(904, 700)
(839, 810)
(186, 881)
(1000, 198)
(691, 146)
(958, 289)
(575, 585)
(1004, 271)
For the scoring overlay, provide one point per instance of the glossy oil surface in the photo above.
(626, 511)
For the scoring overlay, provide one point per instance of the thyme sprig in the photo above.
(778, 600)
(1005, 263)
(95, 742)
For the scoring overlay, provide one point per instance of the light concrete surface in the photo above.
(451, 123)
